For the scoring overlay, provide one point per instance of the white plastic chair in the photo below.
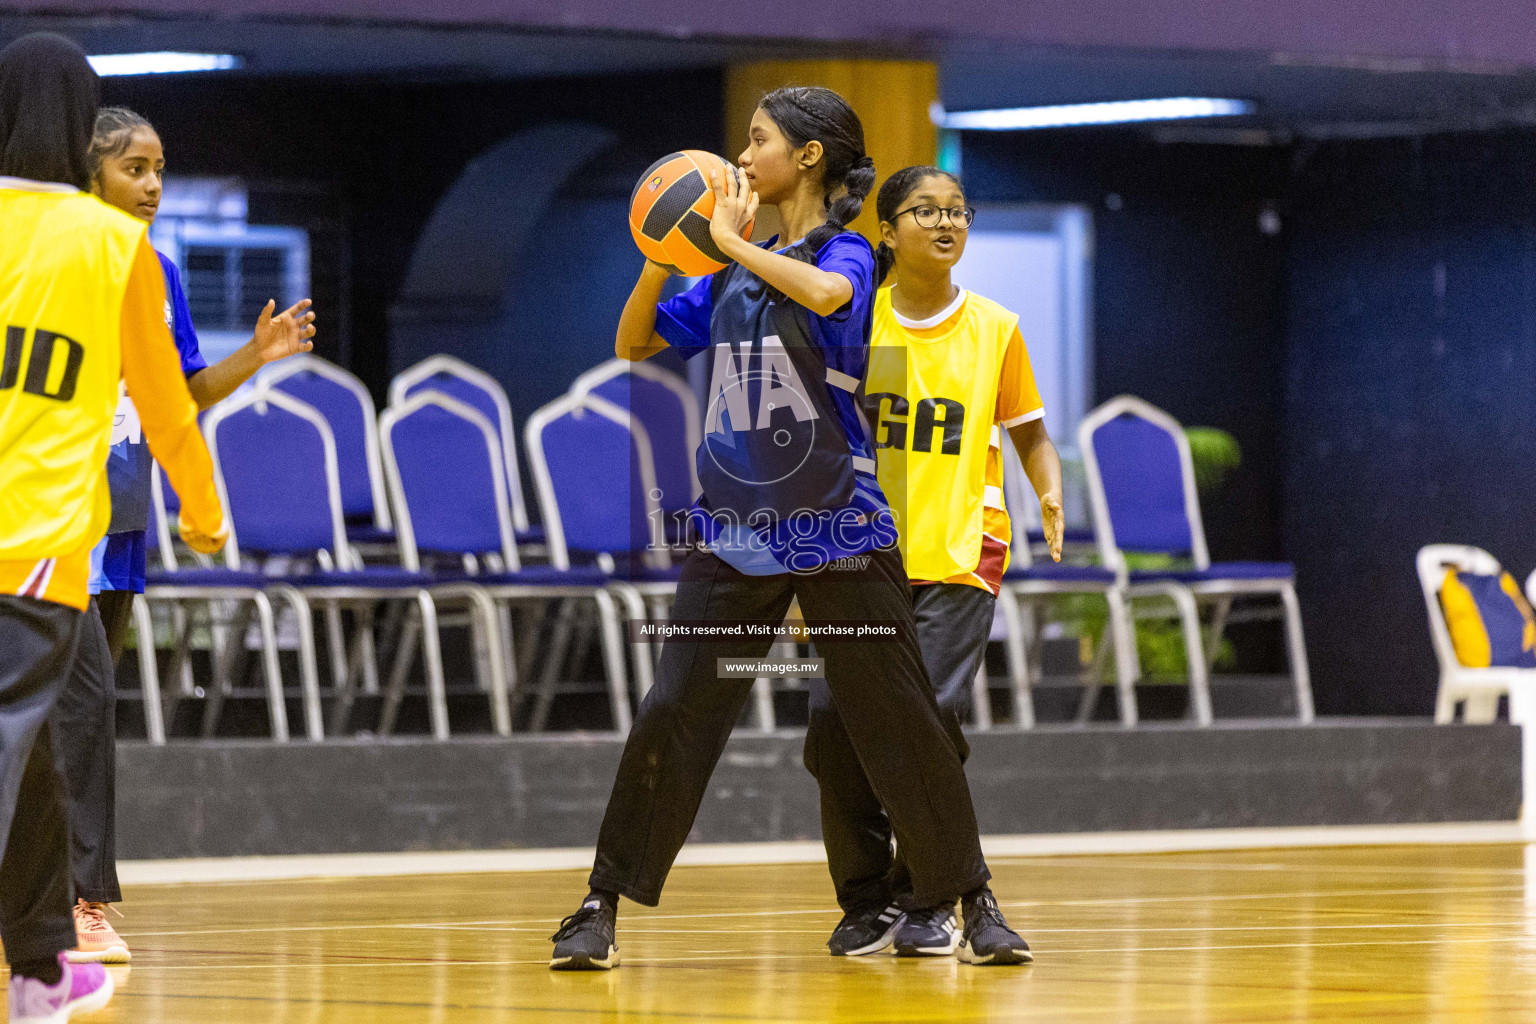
(1476, 689)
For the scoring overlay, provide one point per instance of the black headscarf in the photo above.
(48, 100)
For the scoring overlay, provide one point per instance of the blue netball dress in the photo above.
(786, 466)
(119, 561)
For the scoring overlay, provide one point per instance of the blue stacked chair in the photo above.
(277, 471)
(668, 409)
(477, 389)
(1028, 583)
(662, 403)
(228, 597)
(1141, 482)
(447, 478)
(348, 408)
(595, 479)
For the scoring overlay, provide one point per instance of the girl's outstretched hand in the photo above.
(285, 334)
(1053, 523)
(735, 207)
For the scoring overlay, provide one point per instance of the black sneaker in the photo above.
(930, 932)
(866, 931)
(585, 941)
(988, 939)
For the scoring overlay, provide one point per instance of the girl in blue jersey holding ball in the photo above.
(790, 509)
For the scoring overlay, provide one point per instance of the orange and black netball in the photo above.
(670, 209)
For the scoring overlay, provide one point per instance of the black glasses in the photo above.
(928, 216)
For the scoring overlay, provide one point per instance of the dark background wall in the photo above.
(1188, 293)
(1189, 301)
(363, 165)
(1375, 358)
(1410, 372)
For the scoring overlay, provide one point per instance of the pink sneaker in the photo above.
(85, 988)
(96, 941)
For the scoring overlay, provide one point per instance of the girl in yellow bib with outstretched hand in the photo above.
(948, 376)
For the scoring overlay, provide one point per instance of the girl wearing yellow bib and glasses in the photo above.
(948, 376)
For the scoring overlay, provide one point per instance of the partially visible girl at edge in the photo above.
(948, 376)
(790, 509)
(127, 164)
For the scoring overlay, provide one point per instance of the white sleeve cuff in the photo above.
(1038, 414)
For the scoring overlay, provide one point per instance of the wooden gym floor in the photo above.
(1408, 933)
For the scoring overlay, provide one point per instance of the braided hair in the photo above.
(114, 132)
(804, 113)
(888, 203)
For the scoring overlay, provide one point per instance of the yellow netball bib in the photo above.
(64, 267)
(934, 393)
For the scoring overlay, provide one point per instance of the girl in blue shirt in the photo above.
(127, 161)
(790, 509)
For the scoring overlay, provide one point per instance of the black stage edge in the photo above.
(242, 798)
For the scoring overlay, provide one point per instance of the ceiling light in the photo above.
(1070, 114)
(163, 62)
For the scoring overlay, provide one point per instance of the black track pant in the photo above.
(37, 645)
(879, 689)
(85, 733)
(953, 622)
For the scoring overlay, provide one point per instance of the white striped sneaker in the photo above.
(930, 932)
(866, 930)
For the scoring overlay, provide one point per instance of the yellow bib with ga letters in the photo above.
(65, 260)
(932, 404)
